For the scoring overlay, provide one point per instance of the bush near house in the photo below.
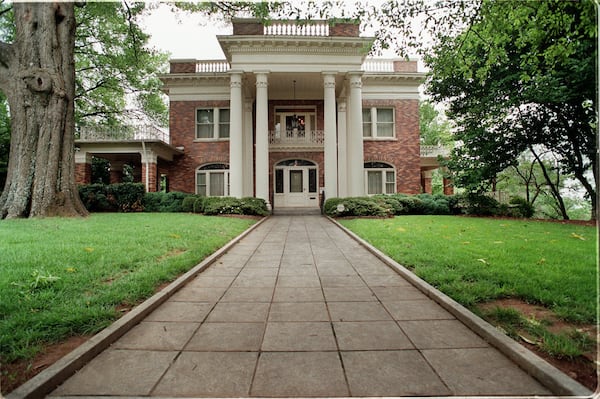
(131, 197)
(426, 204)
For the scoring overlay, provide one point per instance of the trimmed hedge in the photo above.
(131, 197)
(121, 197)
(426, 204)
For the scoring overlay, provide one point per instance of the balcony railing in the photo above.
(433, 151)
(129, 133)
(378, 65)
(293, 139)
(212, 66)
(292, 29)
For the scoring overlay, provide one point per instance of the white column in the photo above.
(355, 161)
(248, 144)
(236, 164)
(342, 149)
(262, 137)
(330, 140)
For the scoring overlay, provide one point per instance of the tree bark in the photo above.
(37, 74)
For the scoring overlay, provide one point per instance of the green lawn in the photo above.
(474, 260)
(63, 277)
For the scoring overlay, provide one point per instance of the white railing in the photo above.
(291, 138)
(293, 29)
(128, 133)
(433, 151)
(212, 66)
(378, 65)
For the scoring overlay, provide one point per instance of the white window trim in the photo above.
(208, 172)
(216, 123)
(374, 122)
(383, 179)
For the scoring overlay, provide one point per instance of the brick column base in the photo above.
(83, 173)
(448, 187)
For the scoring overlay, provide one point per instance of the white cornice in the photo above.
(351, 46)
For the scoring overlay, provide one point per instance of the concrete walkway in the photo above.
(298, 308)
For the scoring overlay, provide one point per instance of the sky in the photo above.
(184, 35)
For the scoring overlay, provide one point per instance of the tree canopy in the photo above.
(521, 77)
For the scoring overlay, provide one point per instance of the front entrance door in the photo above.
(296, 184)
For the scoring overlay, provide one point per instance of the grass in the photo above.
(475, 260)
(64, 277)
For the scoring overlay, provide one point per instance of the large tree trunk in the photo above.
(37, 74)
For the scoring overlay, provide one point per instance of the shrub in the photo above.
(127, 196)
(187, 205)
(94, 198)
(234, 206)
(165, 202)
(480, 205)
(521, 208)
(124, 197)
(357, 206)
(199, 205)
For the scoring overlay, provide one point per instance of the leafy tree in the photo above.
(42, 48)
(519, 78)
(433, 129)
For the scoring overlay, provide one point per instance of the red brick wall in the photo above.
(182, 67)
(248, 28)
(405, 66)
(83, 173)
(344, 29)
(182, 122)
(403, 151)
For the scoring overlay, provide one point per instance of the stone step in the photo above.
(289, 211)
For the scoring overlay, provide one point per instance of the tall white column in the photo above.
(248, 144)
(355, 161)
(330, 140)
(236, 160)
(342, 149)
(262, 137)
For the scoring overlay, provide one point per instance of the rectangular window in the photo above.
(374, 183)
(390, 182)
(217, 184)
(312, 180)
(378, 122)
(279, 181)
(223, 123)
(212, 123)
(366, 114)
(201, 185)
(385, 122)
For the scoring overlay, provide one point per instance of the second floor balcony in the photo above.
(121, 134)
(291, 139)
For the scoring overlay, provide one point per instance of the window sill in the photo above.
(210, 140)
(380, 139)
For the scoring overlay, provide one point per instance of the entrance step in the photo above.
(291, 211)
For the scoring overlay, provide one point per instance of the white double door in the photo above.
(296, 186)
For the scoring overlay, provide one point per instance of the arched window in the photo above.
(212, 180)
(380, 178)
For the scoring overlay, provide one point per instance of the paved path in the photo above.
(298, 308)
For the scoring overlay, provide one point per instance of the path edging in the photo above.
(46, 381)
(548, 375)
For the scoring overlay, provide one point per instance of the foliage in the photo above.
(123, 197)
(100, 170)
(231, 206)
(113, 62)
(187, 205)
(521, 207)
(519, 79)
(164, 202)
(473, 259)
(433, 129)
(91, 267)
